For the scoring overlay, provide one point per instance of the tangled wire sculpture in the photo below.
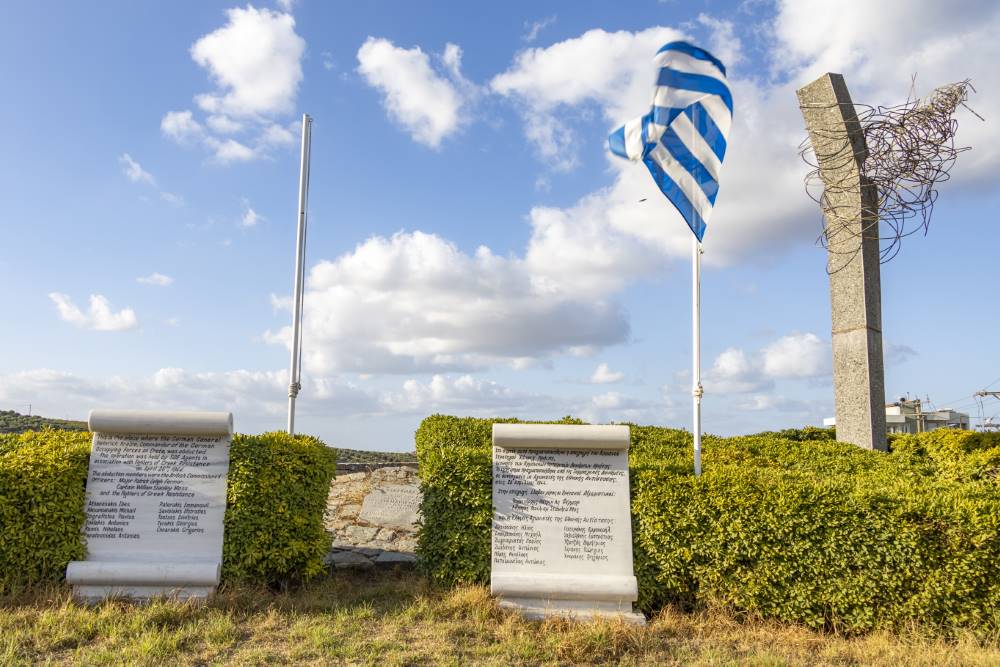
(908, 150)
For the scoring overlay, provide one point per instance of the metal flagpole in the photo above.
(295, 373)
(696, 390)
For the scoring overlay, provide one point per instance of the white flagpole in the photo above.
(696, 390)
(295, 373)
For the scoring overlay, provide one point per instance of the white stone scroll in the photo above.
(155, 504)
(562, 531)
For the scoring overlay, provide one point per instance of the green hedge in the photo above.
(274, 517)
(809, 531)
(42, 480)
(278, 486)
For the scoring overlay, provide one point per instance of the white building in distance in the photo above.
(905, 416)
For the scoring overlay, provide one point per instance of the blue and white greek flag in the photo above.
(682, 140)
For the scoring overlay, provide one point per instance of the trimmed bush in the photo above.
(42, 480)
(274, 531)
(809, 531)
(278, 486)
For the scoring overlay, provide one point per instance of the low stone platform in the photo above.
(372, 518)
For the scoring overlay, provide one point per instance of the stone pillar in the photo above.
(850, 208)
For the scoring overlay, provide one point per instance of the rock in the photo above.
(349, 511)
(349, 560)
(360, 534)
(395, 558)
(405, 544)
(387, 534)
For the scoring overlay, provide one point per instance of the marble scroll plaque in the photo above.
(562, 533)
(155, 503)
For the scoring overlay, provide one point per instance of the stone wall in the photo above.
(372, 517)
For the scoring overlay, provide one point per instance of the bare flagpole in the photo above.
(295, 373)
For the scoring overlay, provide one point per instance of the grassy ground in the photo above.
(396, 619)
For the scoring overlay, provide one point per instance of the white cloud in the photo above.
(277, 135)
(415, 303)
(428, 105)
(98, 318)
(248, 394)
(604, 375)
(223, 124)
(535, 27)
(795, 356)
(733, 373)
(255, 59)
(464, 394)
(286, 5)
(181, 126)
(134, 171)
(931, 39)
(157, 279)
(775, 403)
(250, 217)
(230, 150)
(611, 69)
(328, 63)
(172, 198)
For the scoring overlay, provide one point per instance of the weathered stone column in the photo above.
(850, 207)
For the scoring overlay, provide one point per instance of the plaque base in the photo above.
(142, 594)
(143, 581)
(537, 609)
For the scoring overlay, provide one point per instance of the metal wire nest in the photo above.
(908, 150)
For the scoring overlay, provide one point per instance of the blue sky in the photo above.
(473, 248)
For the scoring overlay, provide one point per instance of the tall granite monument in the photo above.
(850, 209)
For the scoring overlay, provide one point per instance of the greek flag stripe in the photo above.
(677, 198)
(694, 52)
(690, 164)
(707, 128)
(683, 137)
(697, 82)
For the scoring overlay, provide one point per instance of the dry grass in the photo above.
(394, 618)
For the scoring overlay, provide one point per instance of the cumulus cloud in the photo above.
(929, 39)
(255, 62)
(157, 279)
(415, 303)
(795, 356)
(181, 126)
(99, 317)
(426, 103)
(134, 171)
(604, 375)
(610, 69)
